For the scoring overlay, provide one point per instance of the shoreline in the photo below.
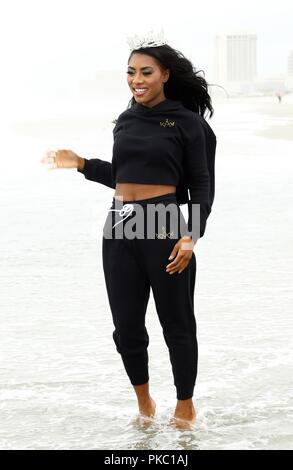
(284, 132)
(282, 111)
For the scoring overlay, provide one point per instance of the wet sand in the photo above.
(280, 112)
(61, 380)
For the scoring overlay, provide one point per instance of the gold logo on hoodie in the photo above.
(167, 123)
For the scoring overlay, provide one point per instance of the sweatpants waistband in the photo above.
(169, 197)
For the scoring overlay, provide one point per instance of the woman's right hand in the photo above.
(61, 159)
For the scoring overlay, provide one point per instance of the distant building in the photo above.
(290, 64)
(289, 76)
(235, 61)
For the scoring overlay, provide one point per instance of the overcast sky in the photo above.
(63, 41)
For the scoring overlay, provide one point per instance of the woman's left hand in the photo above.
(182, 251)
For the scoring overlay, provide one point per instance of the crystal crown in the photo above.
(148, 39)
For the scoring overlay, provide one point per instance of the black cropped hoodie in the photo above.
(163, 144)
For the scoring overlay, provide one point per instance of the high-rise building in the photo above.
(235, 57)
(290, 64)
(289, 74)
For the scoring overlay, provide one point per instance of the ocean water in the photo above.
(62, 383)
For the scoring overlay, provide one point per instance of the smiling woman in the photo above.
(154, 163)
(163, 148)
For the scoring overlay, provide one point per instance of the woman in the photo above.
(162, 146)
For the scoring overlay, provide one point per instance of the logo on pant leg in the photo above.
(164, 234)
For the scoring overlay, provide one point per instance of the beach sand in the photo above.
(282, 113)
(61, 380)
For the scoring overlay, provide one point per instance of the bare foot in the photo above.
(147, 409)
(184, 416)
(146, 405)
(181, 424)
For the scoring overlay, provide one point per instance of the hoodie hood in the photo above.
(165, 105)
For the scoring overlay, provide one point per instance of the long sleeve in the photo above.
(99, 171)
(197, 178)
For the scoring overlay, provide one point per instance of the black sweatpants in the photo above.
(133, 266)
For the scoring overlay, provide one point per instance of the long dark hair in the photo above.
(184, 84)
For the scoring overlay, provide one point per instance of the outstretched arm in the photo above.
(98, 170)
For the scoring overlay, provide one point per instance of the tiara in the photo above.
(149, 39)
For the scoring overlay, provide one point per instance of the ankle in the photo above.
(142, 393)
(144, 400)
(185, 403)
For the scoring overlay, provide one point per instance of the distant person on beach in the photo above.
(279, 96)
(163, 148)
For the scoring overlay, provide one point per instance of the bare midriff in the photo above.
(136, 191)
